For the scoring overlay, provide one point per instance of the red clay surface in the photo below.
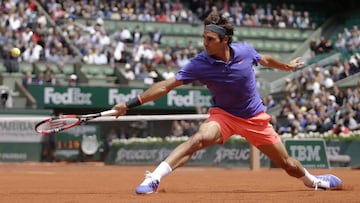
(94, 182)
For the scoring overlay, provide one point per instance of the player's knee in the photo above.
(196, 142)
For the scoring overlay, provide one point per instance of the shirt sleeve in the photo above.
(254, 54)
(188, 73)
(257, 57)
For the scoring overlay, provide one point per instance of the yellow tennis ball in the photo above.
(15, 52)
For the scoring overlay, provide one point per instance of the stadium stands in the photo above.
(84, 30)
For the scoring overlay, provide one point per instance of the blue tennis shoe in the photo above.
(148, 186)
(327, 181)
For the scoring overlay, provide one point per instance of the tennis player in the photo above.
(226, 69)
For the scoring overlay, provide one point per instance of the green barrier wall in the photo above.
(107, 97)
(310, 152)
(18, 140)
(20, 152)
(68, 143)
(232, 154)
(351, 148)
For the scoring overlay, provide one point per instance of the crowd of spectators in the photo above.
(24, 25)
(98, 46)
(346, 41)
(240, 12)
(313, 101)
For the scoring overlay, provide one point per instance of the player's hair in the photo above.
(220, 19)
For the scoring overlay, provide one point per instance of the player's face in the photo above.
(212, 43)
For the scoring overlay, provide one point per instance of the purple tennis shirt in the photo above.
(232, 84)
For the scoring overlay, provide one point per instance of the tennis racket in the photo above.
(64, 122)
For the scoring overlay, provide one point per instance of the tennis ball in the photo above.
(15, 52)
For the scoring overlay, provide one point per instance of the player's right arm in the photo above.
(156, 91)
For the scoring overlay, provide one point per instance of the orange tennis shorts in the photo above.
(256, 130)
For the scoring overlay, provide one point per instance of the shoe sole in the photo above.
(338, 187)
(144, 193)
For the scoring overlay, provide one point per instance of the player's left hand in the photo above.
(294, 64)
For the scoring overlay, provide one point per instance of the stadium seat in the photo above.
(2, 69)
(25, 67)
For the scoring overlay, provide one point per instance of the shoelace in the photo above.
(316, 184)
(148, 174)
(153, 183)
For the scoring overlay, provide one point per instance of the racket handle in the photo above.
(111, 112)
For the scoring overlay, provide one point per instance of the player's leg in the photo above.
(278, 154)
(207, 135)
(261, 134)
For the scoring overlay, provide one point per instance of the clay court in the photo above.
(95, 182)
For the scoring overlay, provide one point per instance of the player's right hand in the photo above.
(121, 109)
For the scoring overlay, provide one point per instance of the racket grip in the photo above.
(111, 112)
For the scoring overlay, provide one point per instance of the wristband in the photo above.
(134, 102)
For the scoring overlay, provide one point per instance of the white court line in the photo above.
(200, 169)
(41, 172)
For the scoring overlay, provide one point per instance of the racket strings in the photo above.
(57, 123)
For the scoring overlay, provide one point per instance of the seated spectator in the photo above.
(10, 63)
(348, 120)
(312, 122)
(346, 71)
(152, 77)
(129, 73)
(73, 80)
(357, 113)
(51, 79)
(137, 35)
(162, 17)
(340, 43)
(314, 48)
(40, 79)
(142, 73)
(32, 53)
(119, 49)
(158, 54)
(269, 102)
(28, 79)
(155, 36)
(291, 126)
(328, 81)
(101, 57)
(275, 123)
(182, 58)
(176, 129)
(6, 100)
(331, 105)
(125, 35)
(340, 129)
(168, 73)
(138, 128)
(54, 57)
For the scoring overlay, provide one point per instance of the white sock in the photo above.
(308, 179)
(161, 170)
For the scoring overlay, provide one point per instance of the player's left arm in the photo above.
(272, 62)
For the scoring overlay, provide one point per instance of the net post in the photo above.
(254, 158)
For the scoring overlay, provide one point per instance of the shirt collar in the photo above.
(212, 60)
